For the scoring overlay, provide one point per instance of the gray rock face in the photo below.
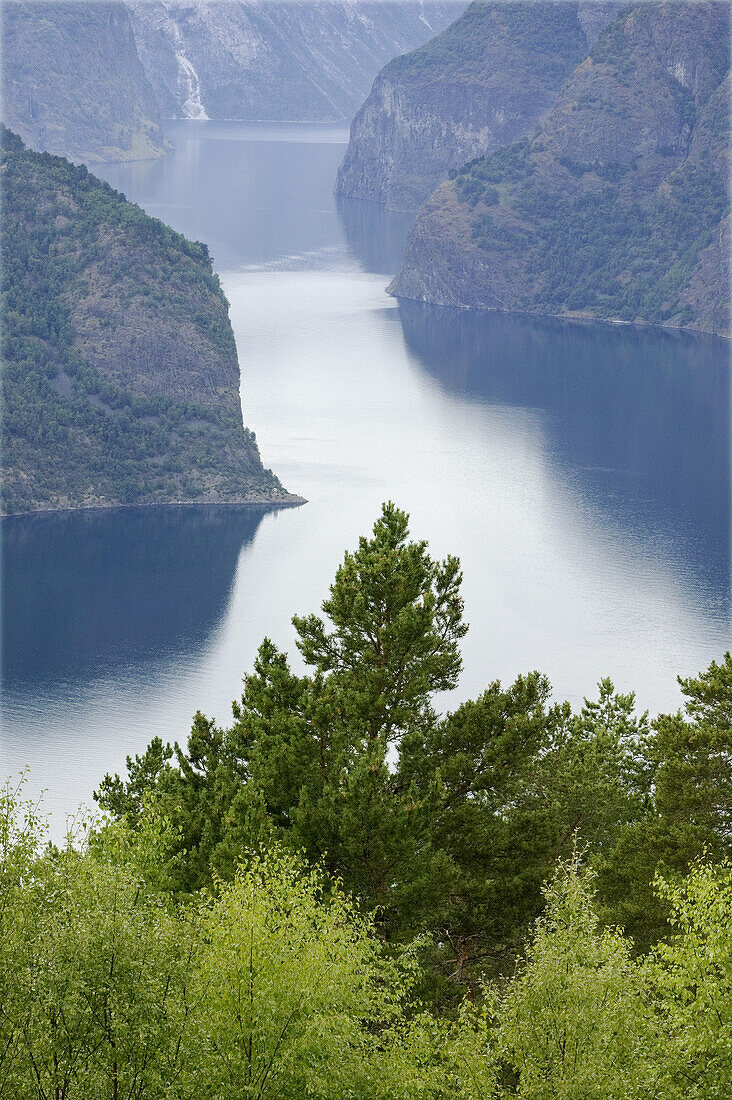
(290, 60)
(488, 79)
(708, 289)
(443, 265)
(72, 82)
(639, 91)
(594, 15)
(710, 145)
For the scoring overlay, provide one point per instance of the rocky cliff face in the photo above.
(120, 376)
(72, 82)
(485, 81)
(305, 60)
(617, 208)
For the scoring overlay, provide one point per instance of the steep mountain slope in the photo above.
(306, 60)
(72, 82)
(618, 208)
(485, 81)
(120, 376)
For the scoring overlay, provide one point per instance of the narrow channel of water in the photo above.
(582, 473)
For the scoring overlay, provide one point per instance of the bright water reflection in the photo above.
(581, 473)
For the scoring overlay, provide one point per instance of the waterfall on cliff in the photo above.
(191, 105)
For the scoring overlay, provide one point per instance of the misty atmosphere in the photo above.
(366, 363)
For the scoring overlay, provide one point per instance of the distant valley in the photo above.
(91, 81)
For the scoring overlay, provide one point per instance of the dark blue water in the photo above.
(120, 586)
(641, 416)
(582, 473)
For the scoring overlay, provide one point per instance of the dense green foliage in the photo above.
(110, 988)
(444, 827)
(346, 895)
(273, 985)
(81, 425)
(540, 31)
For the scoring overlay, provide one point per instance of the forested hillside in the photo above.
(72, 82)
(617, 208)
(120, 375)
(345, 894)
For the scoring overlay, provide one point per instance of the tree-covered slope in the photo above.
(485, 81)
(120, 375)
(617, 208)
(72, 82)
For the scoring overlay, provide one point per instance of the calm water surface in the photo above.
(582, 473)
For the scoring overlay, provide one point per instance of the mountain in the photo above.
(617, 208)
(485, 81)
(120, 379)
(72, 82)
(289, 60)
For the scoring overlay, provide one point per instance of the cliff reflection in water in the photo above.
(375, 236)
(638, 418)
(90, 593)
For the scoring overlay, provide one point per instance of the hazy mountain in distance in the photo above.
(288, 60)
(72, 82)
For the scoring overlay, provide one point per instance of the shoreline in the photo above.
(291, 501)
(574, 318)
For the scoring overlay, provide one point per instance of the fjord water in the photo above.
(581, 473)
